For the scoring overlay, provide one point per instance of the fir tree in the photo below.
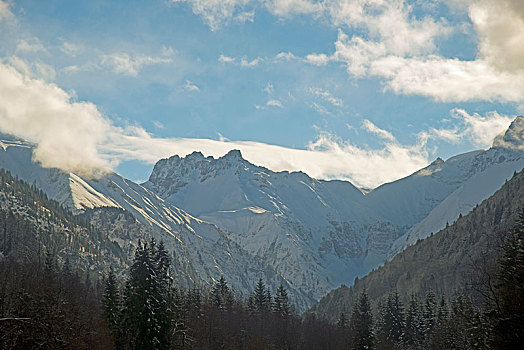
(281, 303)
(221, 295)
(146, 313)
(413, 333)
(361, 323)
(343, 321)
(391, 321)
(508, 317)
(260, 297)
(111, 303)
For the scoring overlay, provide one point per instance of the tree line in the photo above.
(497, 322)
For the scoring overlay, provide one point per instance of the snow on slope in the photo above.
(478, 188)
(490, 170)
(67, 188)
(315, 233)
(323, 233)
(201, 251)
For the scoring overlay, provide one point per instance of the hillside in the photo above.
(446, 262)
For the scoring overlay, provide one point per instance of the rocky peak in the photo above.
(513, 137)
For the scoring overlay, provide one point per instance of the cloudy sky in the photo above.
(363, 90)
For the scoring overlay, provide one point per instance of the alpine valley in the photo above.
(229, 217)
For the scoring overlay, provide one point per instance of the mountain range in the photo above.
(229, 217)
(461, 259)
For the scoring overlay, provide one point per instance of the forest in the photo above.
(51, 302)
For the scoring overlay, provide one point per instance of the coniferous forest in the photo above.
(48, 301)
(52, 307)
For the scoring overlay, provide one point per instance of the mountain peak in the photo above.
(195, 155)
(513, 137)
(437, 161)
(233, 154)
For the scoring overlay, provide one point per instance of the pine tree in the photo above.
(260, 297)
(428, 314)
(111, 302)
(361, 323)
(508, 318)
(413, 326)
(390, 327)
(146, 314)
(221, 295)
(343, 321)
(281, 305)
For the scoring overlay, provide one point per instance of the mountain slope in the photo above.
(320, 234)
(201, 251)
(445, 262)
(471, 178)
(312, 232)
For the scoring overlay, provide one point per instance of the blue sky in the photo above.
(363, 90)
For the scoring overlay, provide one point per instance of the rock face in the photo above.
(229, 217)
(446, 263)
(201, 251)
(320, 234)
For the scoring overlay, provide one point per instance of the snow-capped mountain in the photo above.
(458, 184)
(228, 216)
(319, 234)
(201, 251)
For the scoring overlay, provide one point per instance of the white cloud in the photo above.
(32, 46)
(76, 136)
(270, 103)
(222, 138)
(400, 49)
(287, 8)
(226, 59)
(327, 96)
(372, 128)
(269, 89)
(449, 80)
(71, 49)
(285, 56)
(319, 108)
(318, 59)
(500, 28)
(68, 133)
(216, 13)
(479, 130)
(5, 12)
(158, 124)
(123, 63)
(243, 61)
(191, 87)
(247, 16)
(274, 103)
(36, 70)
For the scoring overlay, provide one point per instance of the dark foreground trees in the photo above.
(47, 306)
(44, 308)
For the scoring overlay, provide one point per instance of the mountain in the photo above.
(447, 262)
(201, 251)
(229, 217)
(456, 185)
(320, 234)
(36, 229)
(315, 233)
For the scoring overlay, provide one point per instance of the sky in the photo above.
(362, 90)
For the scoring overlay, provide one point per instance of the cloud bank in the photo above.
(391, 41)
(75, 136)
